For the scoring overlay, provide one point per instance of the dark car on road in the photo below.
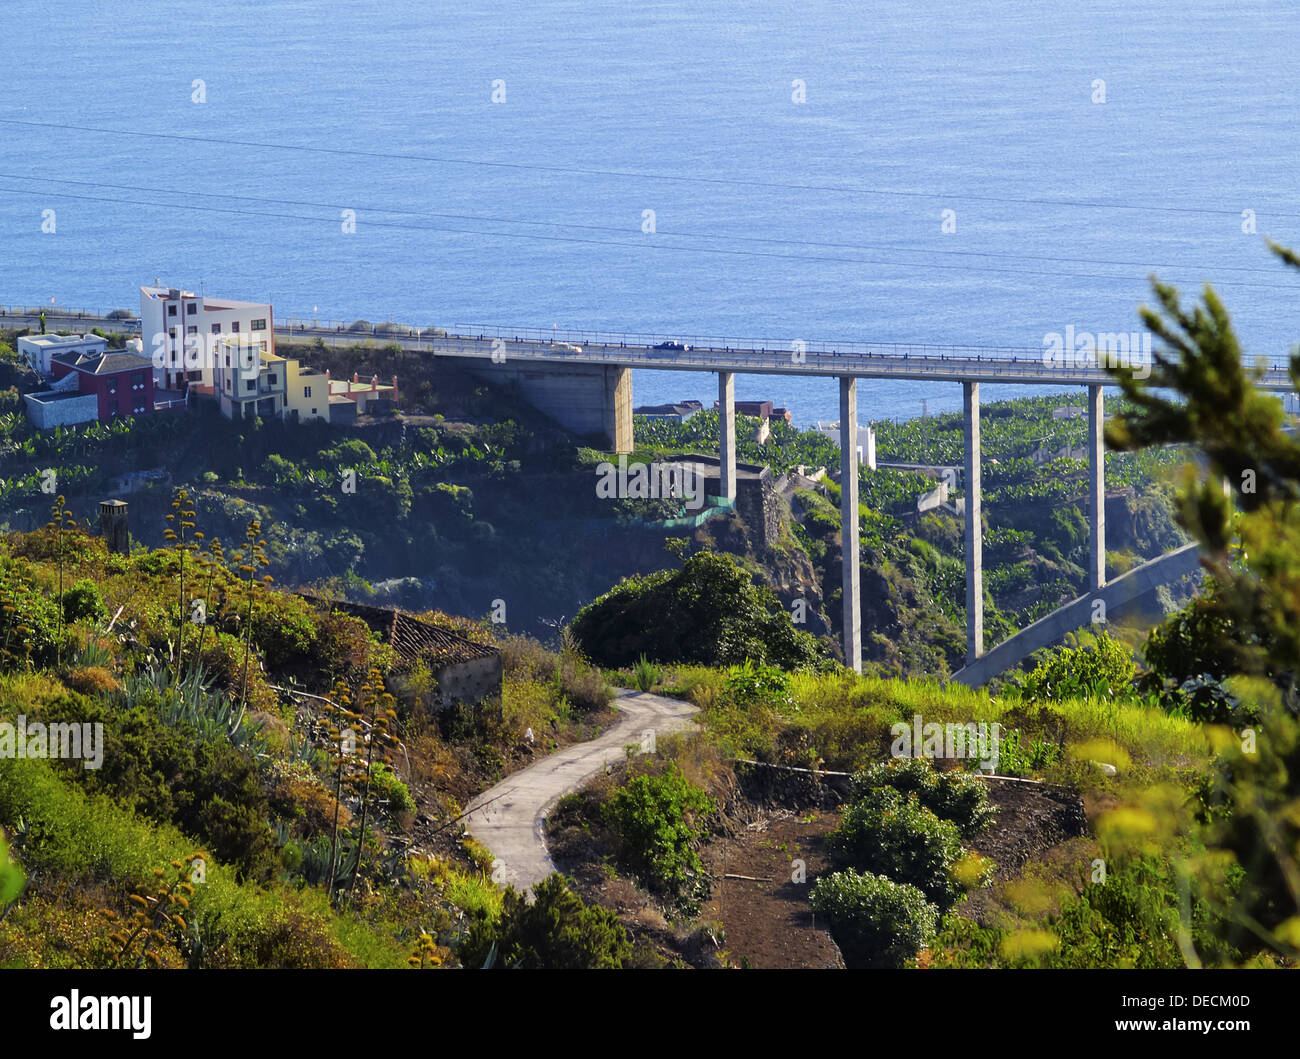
(676, 346)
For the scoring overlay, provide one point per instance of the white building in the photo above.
(36, 350)
(867, 435)
(249, 382)
(182, 331)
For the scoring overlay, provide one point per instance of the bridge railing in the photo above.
(927, 360)
(779, 350)
(55, 312)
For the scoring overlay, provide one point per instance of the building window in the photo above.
(112, 408)
(257, 325)
(263, 347)
(171, 331)
(191, 309)
(306, 392)
(313, 411)
(171, 310)
(216, 329)
(191, 330)
(137, 379)
(271, 379)
(112, 386)
(251, 384)
(234, 327)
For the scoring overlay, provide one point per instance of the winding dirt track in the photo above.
(509, 817)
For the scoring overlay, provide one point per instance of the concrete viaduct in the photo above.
(583, 380)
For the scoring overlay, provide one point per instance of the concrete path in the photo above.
(508, 818)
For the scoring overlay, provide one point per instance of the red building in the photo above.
(123, 381)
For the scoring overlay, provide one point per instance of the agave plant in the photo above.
(191, 700)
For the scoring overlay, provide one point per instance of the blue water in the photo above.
(975, 106)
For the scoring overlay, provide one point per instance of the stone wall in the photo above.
(66, 411)
(791, 788)
(471, 681)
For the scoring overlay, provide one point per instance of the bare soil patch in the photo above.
(762, 908)
(1031, 819)
(757, 913)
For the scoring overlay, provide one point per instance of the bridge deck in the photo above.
(936, 363)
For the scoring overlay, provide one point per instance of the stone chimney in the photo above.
(113, 527)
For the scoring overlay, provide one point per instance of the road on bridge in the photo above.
(935, 363)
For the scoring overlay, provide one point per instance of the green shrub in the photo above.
(205, 786)
(956, 796)
(1131, 920)
(890, 834)
(392, 790)
(646, 674)
(709, 612)
(1201, 639)
(83, 602)
(28, 621)
(582, 684)
(1104, 669)
(557, 930)
(284, 628)
(1205, 699)
(875, 921)
(751, 685)
(11, 877)
(656, 820)
(1014, 759)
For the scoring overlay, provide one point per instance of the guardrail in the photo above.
(704, 352)
(53, 311)
(1022, 366)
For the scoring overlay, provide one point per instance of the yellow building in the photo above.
(307, 393)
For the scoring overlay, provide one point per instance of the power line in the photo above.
(647, 244)
(622, 230)
(640, 175)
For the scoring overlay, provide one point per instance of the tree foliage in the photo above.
(658, 821)
(956, 796)
(875, 921)
(555, 931)
(709, 612)
(1104, 668)
(1243, 506)
(889, 833)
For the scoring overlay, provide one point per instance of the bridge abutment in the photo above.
(588, 399)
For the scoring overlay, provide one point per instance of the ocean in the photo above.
(943, 173)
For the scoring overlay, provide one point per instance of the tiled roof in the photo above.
(410, 638)
(109, 363)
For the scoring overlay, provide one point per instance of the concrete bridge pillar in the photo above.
(727, 433)
(974, 527)
(1096, 489)
(849, 523)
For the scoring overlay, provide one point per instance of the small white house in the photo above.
(37, 350)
